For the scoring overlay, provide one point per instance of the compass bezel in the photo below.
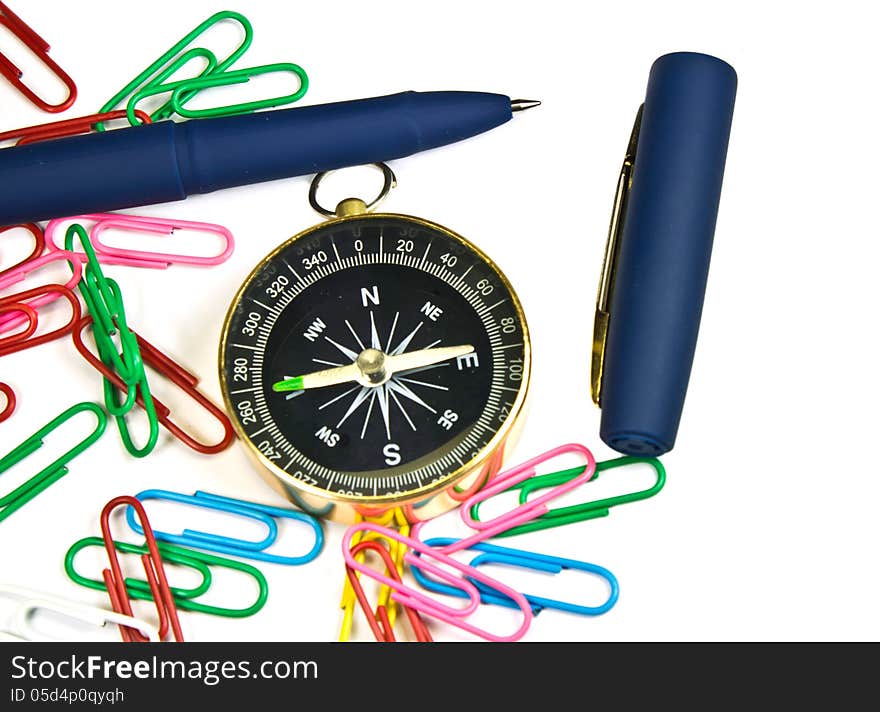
(347, 507)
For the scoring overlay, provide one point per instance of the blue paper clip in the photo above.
(493, 554)
(254, 550)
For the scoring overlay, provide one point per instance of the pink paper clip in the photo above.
(18, 274)
(418, 601)
(524, 512)
(109, 255)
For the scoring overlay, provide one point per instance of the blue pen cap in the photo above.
(661, 264)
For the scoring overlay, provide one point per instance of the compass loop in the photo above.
(390, 181)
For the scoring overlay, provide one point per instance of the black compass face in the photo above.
(374, 356)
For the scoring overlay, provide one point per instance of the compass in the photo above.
(375, 360)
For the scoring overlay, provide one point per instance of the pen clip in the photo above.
(609, 263)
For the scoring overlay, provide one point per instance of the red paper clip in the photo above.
(40, 48)
(10, 402)
(378, 620)
(31, 319)
(67, 127)
(154, 568)
(23, 340)
(175, 373)
(39, 245)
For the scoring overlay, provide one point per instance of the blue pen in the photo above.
(168, 161)
(657, 260)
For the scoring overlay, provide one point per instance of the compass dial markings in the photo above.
(498, 353)
(344, 349)
(402, 409)
(354, 334)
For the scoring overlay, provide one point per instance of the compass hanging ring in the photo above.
(351, 206)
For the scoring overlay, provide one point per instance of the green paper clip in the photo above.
(103, 299)
(49, 475)
(173, 554)
(579, 512)
(182, 90)
(172, 60)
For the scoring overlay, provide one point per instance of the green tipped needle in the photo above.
(291, 384)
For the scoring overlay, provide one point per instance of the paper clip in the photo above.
(562, 516)
(103, 298)
(25, 340)
(33, 601)
(67, 127)
(397, 551)
(526, 560)
(169, 62)
(154, 568)
(108, 255)
(534, 508)
(262, 513)
(50, 474)
(9, 408)
(40, 48)
(524, 512)
(176, 374)
(490, 469)
(18, 273)
(31, 323)
(135, 585)
(184, 89)
(380, 624)
(418, 601)
(171, 554)
(39, 242)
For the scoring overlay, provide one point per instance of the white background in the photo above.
(768, 525)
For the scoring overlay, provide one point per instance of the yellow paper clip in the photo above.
(394, 516)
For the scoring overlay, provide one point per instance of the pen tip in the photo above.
(523, 104)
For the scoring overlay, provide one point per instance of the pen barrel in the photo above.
(86, 174)
(665, 249)
(166, 161)
(280, 144)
